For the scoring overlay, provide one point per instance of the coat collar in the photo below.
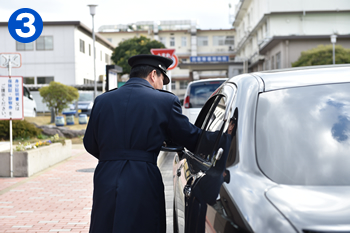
(140, 81)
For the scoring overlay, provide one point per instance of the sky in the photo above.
(210, 14)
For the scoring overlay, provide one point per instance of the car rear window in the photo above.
(86, 96)
(200, 92)
(303, 135)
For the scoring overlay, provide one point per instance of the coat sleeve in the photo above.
(181, 131)
(90, 142)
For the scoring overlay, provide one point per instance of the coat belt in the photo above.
(130, 154)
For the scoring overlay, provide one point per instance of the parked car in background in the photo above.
(85, 102)
(29, 104)
(273, 156)
(197, 94)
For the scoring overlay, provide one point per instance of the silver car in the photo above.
(274, 156)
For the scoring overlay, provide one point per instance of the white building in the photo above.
(271, 34)
(63, 53)
(188, 41)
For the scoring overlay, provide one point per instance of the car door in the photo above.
(190, 167)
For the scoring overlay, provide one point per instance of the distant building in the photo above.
(202, 53)
(63, 53)
(271, 34)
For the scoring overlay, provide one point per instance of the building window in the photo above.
(267, 65)
(172, 41)
(173, 85)
(272, 62)
(202, 41)
(88, 81)
(106, 58)
(218, 40)
(162, 40)
(44, 80)
(28, 80)
(183, 85)
(229, 40)
(24, 46)
(184, 41)
(89, 49)
(44, 43)
(82, 46)
(278, 60)
(101, 55)
(223, 40)
(109, 39)
(248, 20)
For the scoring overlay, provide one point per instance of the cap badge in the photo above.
(160, 66)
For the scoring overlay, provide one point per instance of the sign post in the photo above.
(11, 91)
(169, 53)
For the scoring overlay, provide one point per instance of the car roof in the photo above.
(304, 76)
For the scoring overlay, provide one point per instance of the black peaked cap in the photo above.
(159, 62)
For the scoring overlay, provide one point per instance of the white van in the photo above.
(29, 105)
(197, 94)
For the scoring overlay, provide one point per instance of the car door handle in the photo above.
(178, 171)
(218, 155)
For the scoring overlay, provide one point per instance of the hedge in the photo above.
(20, 129)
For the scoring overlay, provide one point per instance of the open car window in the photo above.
(213, 120)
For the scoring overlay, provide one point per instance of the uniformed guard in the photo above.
(125, 133)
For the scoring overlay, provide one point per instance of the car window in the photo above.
(86, 96)
(214, 123)
(25, 92)
(232, 129)
(303, 135)
(200, 92)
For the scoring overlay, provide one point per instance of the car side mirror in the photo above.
(30, 97)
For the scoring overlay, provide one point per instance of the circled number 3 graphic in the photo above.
(25, 25)
(28, 24)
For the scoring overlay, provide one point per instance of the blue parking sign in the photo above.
(25, 25)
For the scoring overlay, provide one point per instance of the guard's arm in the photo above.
(180, 129)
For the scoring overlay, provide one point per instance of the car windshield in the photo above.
(86, 96)
(303, 135)
(200, 92)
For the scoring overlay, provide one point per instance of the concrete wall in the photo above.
(27, 163)
(310, 24)
(84, 62)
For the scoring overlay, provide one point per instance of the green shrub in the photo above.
(323, 55)
(20, 129)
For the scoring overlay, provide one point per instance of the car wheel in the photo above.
(175, 225)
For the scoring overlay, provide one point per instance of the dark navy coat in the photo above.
(125, 132)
